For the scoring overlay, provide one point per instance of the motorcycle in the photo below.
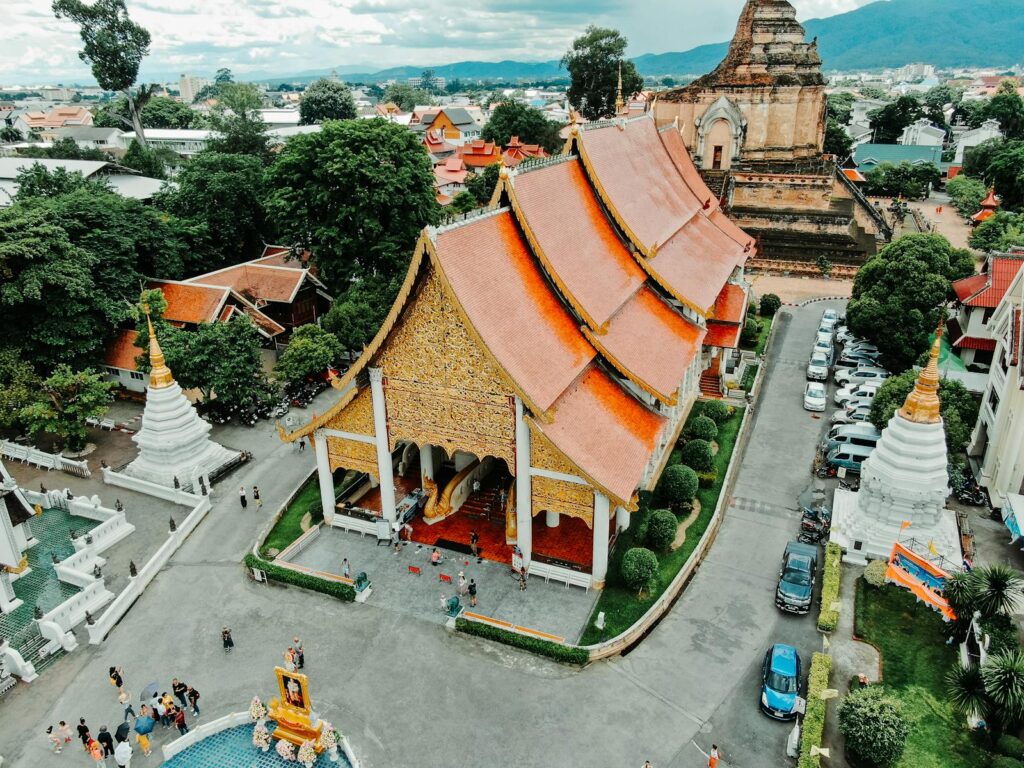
(850, 485)
(812, 536)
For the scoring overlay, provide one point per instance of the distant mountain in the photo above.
(890, 33)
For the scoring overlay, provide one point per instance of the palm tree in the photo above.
(960, 590)
(998, 589)
(1003, 675)
(966, 688)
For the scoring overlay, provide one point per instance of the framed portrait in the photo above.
(294, 688)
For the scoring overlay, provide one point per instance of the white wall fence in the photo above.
(28, 455)
(71, 612)
(173, 495)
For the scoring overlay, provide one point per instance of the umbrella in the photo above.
(149, 692)
(122, 732)
(143, 724)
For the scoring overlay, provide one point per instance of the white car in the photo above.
(824, 335)
(817, 367)
(862, 347)
(850, 391)
(822, 347)
(860, 375)
(831, 315)
(815, 396)
(845, 336)
(851, 415)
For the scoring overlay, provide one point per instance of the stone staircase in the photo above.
(483, 504)
(711, 385)
(33, 648)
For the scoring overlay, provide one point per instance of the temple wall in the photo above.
(550, 495)
(778, 191)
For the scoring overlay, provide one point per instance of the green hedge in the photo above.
(813, 728)
(336, 589)
(567, 654)
(828, 618)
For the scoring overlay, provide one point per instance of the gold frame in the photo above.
(282, 688)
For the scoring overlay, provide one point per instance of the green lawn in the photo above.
(289, 527)
(915, 660)
(621, 606)
(762, 337)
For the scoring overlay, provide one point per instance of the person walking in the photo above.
(474, 544)
(83, 732)
(180, 689)
(179, 720)
(241, 497)
(56, 745)
(713, 757)
(106, 741)
(463, 584)
(302, 444)
(123, 755)
(345, 569)
(125, 700)
(64, 731)
(472, 592)
(225, 636)
(299, 653)
(193, 699)
(116, 675)
(256, 497)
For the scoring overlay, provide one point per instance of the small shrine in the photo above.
(904, 484)
(293, 712)
(175, 448)
(987, 209)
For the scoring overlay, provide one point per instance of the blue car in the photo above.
(780, 682)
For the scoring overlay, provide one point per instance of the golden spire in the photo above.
(922, 405)
(619, 103)
(159, 374)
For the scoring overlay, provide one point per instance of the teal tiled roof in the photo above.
(868, 156)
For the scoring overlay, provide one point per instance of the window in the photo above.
(716, 160)
(993, 401)
(987, 315)
(1002, 359)
(137, 376)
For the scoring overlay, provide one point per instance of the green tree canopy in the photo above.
(405, 96)
(147, 161)
(63, 403)
(326, 100)
(114, 47)
(966, 194)
(159, 112)
(19, 386)
(463, 202)
(65, 149)
(904, 180)
(999, 163)
(356, 315)
(38, 181)
(837, 140)
(959, 410)
(840, 106)
(310, 351)
(594, 63)
(511, 118)
(897, 295)
(1007, 106)
(482, 185)
(889, 121)
(357, 194)
(1002, 232)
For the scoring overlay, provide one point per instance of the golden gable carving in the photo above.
(559, 496)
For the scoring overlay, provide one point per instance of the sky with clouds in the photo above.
(289, 36)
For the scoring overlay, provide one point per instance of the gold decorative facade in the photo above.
(559, 496)
(357, 418)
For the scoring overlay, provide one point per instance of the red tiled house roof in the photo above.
(121, 351)
(725, 321)
(988, 288)
(191, 303)
(516, 152)
(479, 153)
(257, 282)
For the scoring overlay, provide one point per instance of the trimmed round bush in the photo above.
(702, 428)
(661, 529)
(873, 725)
(715, 410)
(678, 485)
(874, 574)
(770, 304)
(639, 567)
(697, 454)
(751, 329)
(1010, 746)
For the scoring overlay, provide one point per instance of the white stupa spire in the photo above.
(173, 441)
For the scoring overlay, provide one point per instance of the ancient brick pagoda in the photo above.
(756, 125)
(542, 356)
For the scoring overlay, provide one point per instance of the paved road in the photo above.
(407, 693)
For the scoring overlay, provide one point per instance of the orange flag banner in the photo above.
(904, 524)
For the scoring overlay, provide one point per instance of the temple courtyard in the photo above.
(407, 692)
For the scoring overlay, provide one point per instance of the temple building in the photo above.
(904, 484)
(542, 357)
(15, 538)
(175, 448)
(756, 128)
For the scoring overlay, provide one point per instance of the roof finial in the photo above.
(619, 103)
(922, 404)
(159, 374)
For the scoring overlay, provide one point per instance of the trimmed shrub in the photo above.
(1002, 632)
(874, 574)
(828, 619)
(1010, 746)
(751, 329)
(697, 454)
(813, 729)
(1004, 761)
(661, 529)
(678, 485)
(707, 479)
(336, 589)
(701, 428)
(873, 725)
(567, 654)
(716, 410)
(639, 567)
(770, 304)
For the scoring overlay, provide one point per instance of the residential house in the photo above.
(859, 133)
(923, 134)
(38, 121)
(479, 154)
(449, 179)
(978, 296)
(456, 123)
(860, 109)
(437, 147)
(515, 152)
(988, 130)
(88, 137)
(124, 181)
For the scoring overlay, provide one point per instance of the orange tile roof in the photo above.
(693, 263)
(723, 335)
(577, 238)
(604, 431)
(730, 304)
(988, 288)
(511, 305)
(265, 324)
(190, 303)
(257, 282)
(121, 351)
(277, 256)
(854, 175)
(479, 153)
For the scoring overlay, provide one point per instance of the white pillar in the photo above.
(8, 600)
(551, 518)
(600, 568)
(326, 477)
(621, 518)
(524, 492)
(426, 464)
(385, 472)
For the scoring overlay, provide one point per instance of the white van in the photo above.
(861, 433)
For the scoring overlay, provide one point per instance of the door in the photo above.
(716, 158)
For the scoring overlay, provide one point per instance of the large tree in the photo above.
(19, 385)
(1002, 232)
(326, 100)
(64, 402)
(904, 180)
(837, 140)
(999, 163)
(38, 181)
(898, 295)
(840, 106)
(1007, 106)
(224, 193)
(889, 121)
(594, 63)
(114, 47)
(310, 351)
(65, 149)
(356, 315)
(481, 185)
(511, 118)
(966, 194)
(405, 96)
(158, 112)
(959, 410)
(357, 194)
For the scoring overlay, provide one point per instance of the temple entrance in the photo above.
(719, 146)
